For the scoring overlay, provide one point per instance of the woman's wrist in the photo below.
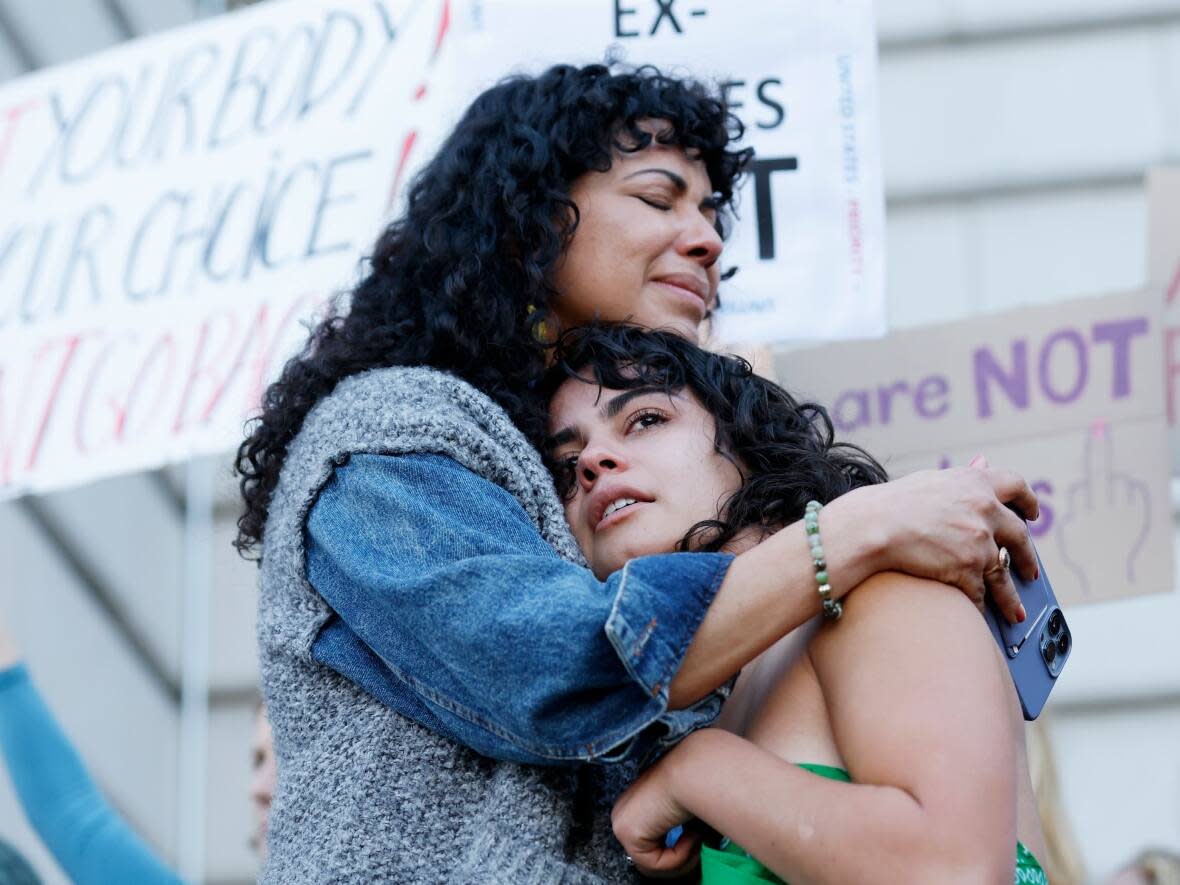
(696, 753)
(855, 540)
(713, 760)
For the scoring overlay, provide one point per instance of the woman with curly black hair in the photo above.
(905, 709)
(436, 658)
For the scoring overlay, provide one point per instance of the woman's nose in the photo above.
(701, 241)
(594, 462)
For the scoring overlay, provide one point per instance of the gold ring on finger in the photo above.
(1003, 562)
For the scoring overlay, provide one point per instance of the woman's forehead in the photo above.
(656, 153)
(663, 135)
(659, 147)
(575, 394)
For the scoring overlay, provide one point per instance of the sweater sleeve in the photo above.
(473, 626)
(81, 830)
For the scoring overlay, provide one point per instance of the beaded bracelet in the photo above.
(833, 608)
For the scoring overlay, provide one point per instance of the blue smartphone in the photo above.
(1037, 648)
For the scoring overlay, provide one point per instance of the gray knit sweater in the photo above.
(365, 794)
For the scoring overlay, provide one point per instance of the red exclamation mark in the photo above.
(444, 26)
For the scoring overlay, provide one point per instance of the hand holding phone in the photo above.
(1037, 648)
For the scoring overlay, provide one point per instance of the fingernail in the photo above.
(1021, 615)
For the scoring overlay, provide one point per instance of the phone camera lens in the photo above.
(1056, 622)
(1063, 644)
(1049, 651)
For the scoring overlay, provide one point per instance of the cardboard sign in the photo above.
(1069, 395)
(1163, 190)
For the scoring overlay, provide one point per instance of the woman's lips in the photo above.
(618, 516)
(687, 297)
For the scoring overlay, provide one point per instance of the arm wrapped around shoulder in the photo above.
(457, 613)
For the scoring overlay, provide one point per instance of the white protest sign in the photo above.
(1069, 395)
(809, 239)
(171, 210)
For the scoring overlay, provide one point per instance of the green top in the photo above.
(732, 865)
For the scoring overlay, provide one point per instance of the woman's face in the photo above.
(640, 446)
(646, 247)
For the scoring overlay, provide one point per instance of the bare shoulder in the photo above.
(894, 599)
(913, 657)
(918, 648)
(900, 586)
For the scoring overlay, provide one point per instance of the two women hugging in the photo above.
(469, 677)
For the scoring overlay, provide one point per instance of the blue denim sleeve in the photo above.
(84, 834)
(454, 611)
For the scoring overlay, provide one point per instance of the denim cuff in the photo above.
(660, 603)
(670, 728)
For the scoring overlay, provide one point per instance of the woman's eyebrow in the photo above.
(618, 403)
(678, 182)
(609, 410)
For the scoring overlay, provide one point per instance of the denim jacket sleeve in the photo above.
(454, 611)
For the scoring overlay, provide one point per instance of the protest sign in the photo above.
(809, 239)
(1163, 189)
(1069, 395)
(172, 211)
(175, 209)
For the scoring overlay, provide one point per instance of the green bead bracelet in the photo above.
(833, 608)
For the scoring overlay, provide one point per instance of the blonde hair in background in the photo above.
(1063, 862)
(1157, 866)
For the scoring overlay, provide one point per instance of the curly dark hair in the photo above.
(785, 450)
(461, 281)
